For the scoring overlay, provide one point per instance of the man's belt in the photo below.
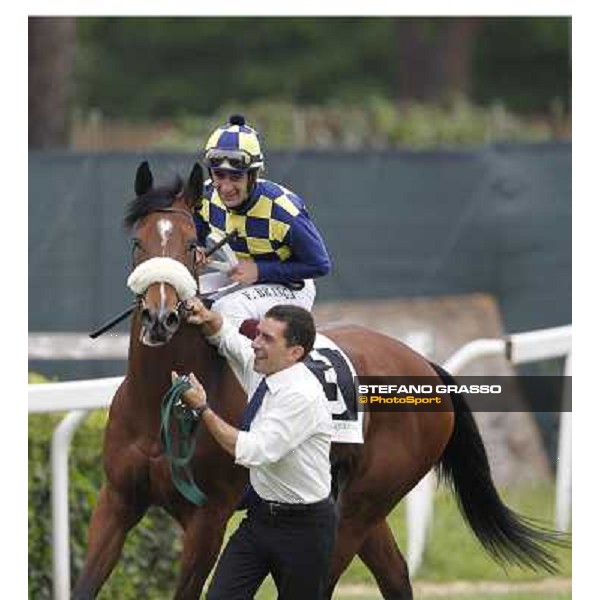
(274, 509)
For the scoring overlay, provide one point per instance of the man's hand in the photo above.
(246, 271)
(198, 313)
(195, 397)
(225, 434)
(210, 321)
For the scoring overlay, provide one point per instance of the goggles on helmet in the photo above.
(237, 160)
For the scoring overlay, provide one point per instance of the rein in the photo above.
(177, 428)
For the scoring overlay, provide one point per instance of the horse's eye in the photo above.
(136, 245)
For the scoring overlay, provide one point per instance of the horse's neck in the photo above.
(149, 369)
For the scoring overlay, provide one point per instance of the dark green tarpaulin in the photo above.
(494, 219)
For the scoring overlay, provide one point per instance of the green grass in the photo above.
(453, 553)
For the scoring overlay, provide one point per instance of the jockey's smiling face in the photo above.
(232, 186)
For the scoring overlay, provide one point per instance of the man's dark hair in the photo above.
(300, 327)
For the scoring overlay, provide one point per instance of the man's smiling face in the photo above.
(271, 350)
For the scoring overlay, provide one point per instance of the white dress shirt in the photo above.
(287, 447)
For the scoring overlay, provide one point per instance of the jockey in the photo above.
(278, 247)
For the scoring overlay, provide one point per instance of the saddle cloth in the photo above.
(336, 373)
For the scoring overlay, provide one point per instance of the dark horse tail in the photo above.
(506, 536)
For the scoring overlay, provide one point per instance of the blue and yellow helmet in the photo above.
(234, 147)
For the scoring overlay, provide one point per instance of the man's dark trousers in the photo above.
(293, 543)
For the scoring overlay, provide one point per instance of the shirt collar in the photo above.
(280, 379)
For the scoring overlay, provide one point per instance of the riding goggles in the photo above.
(237, 160)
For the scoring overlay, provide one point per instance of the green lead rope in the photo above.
(177, 427)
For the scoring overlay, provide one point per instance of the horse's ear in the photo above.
(143, 179)
(193, 189)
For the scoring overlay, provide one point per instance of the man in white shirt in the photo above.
(284, 440)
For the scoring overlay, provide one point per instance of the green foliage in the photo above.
(164, 67)
(148, 566)
(525, 61)
(377, 123)
(128, 65)
(40, 543)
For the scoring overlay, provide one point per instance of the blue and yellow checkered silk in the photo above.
(274, 229)
(235, 137)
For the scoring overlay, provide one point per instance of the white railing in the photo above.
(79, 397)
(518, 348)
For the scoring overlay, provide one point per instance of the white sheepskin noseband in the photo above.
(163, 270)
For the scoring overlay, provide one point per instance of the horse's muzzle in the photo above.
(157, 328)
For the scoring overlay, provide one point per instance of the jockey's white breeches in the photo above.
(254, 301)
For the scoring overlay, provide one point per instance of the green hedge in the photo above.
(375, 123)
(149, 564)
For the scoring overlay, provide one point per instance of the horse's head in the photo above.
(163, 255)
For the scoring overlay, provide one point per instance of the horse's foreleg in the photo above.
(381, 555)
(112, 518)
(202, 539)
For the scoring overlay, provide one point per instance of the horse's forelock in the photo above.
(154, 199)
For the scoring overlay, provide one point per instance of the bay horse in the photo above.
(399, 447)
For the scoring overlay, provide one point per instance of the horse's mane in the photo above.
(154, 199)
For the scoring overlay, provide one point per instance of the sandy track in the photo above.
(443, 589)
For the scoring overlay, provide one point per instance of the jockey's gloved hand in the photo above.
(246, 272)
(201, 258)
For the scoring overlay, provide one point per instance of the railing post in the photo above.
(564, 463)
(59, 460)
(419, 508)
